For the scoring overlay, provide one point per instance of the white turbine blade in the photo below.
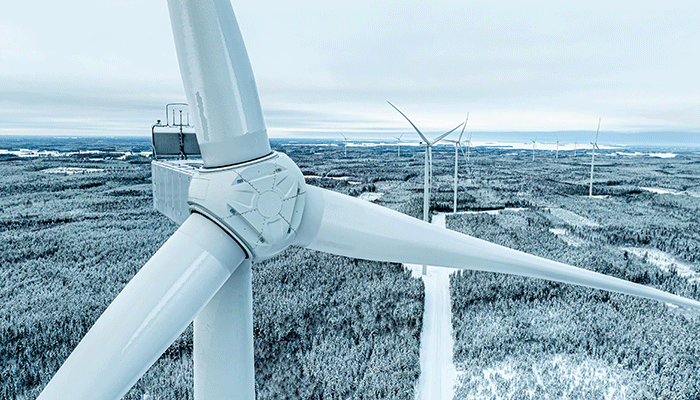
(355, 228)
(463, 152)
(219, 82)
(463, 126)
(149, 314)
(409, 121)
(437, 139)
(344, 138)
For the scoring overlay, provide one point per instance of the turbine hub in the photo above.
(269, 204)
(259, 203)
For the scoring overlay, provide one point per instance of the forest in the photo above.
(324, 326)
(528, 339)
(335, 327)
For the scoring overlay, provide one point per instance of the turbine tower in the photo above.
(533, 150)
(345, 144)
(398, 146)
(428, 161)
(249, 203)
(458, 145)
(428, 174)
(594, 146)
(557, 154)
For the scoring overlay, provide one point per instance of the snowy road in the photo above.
(438, 373)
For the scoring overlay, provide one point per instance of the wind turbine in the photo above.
(594, 146)
(398, 140)
(428, 174)
(345, 144)
(428, 161)
(249, 203)
(533, 150)
(458, 145)
(557, 154)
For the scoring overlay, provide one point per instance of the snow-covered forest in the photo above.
(75, 226)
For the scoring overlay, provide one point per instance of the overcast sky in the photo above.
(109, 66)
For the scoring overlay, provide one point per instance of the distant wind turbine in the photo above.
(557, 155)
(345, 143)
(428, 159)
(469, 144)
(458, 145)
(428, 165)
(533, 149)
(595, 146)
(398, 140)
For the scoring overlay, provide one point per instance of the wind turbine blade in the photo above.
(149, 314)
(463, 152)
(463, 126)
(409, 121)
(219, 82)
(344, 138)
(355, 228)
(437, 139)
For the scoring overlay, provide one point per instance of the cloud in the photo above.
(329, 67)
(18, 44)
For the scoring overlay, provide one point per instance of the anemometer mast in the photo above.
(176, 137)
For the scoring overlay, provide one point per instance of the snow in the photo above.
(661, 190)
(438, 373)
(129, 154)
(670, 191)
(558, 376)
(564, 235)
(663, 155)
(489, 212)
(72, 170)
(337, 178)
(667, 262)
(370, 196)
(29, 153)
(572, 218)
(540, 146)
